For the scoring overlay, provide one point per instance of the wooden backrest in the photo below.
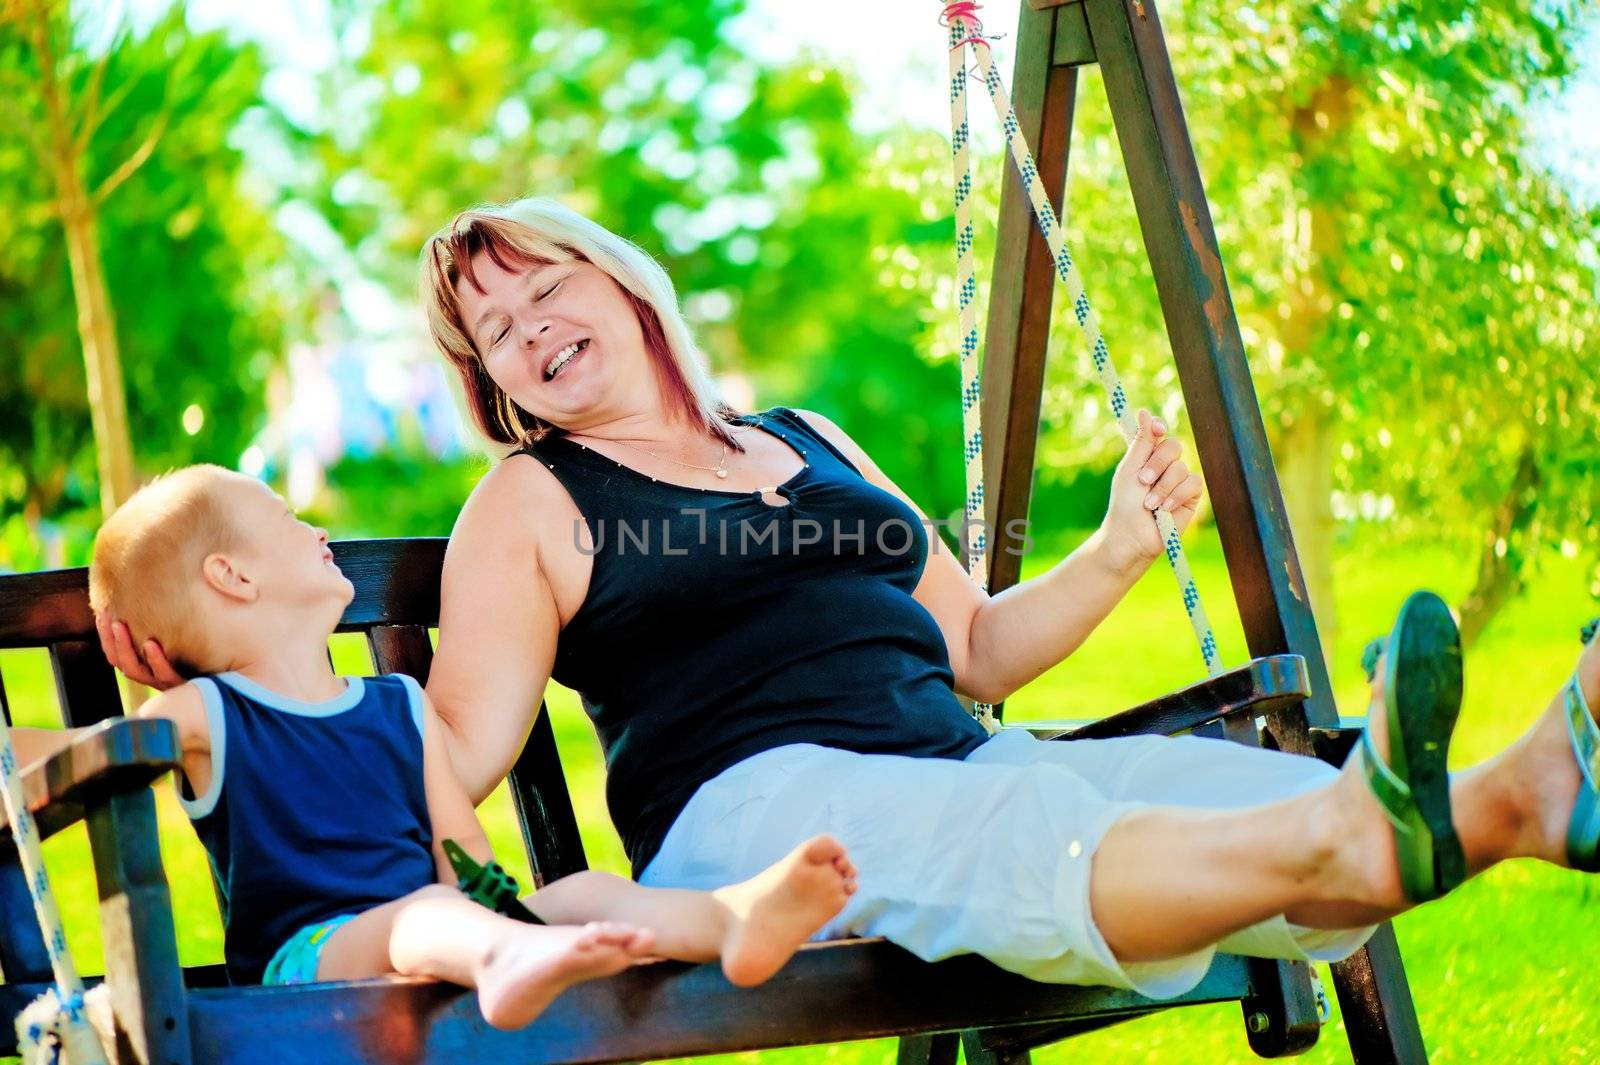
(396, 602)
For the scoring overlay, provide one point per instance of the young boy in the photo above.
(324, 801)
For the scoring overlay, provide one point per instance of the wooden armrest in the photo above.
(116, 756)
(1260, 686)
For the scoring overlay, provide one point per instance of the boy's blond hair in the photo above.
(147, 562)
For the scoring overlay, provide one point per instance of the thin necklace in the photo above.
(720, 469)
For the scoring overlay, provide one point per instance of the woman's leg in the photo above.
(1326, 858)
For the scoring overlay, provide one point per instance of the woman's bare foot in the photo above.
(1548, 771)
(1363, 868)
(527, 971)
(780, 908)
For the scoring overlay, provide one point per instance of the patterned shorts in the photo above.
(296, 961)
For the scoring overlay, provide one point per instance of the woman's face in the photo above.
(568, 317)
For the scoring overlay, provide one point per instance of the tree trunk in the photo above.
(97, 327)
(1504, 553)
(1306, 432)
(1303, 452)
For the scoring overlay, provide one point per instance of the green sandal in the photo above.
(1422, 697)
(1583, 832)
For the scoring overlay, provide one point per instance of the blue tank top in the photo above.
(717, 626)
(314, 810)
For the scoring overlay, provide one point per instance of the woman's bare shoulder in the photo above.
(513, 503)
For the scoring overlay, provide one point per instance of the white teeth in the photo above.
(565, 357)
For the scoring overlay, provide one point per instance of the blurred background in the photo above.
(212, 213)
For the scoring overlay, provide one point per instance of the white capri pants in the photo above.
(989, 855)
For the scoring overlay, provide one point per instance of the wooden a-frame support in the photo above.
(1054, 39)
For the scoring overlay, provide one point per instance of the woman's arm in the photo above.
(997, 644)
(450, 811)
(498, 626)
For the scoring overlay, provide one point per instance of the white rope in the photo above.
(57, 1021)
(967, 295)
(966, 30)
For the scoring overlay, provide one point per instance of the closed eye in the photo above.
(548, 291)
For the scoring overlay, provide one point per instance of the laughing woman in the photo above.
(770, 645)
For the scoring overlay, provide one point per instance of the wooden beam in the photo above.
(1219, 393)
(1021, 287)
(828, 993)
(141, 945)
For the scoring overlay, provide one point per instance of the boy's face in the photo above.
(288, 558)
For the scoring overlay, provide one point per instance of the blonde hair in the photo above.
(536, 232)
(147, 560)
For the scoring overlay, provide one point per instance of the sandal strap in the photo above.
(1584, 733)
(1392, 793)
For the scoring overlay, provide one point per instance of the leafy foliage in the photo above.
(200, 277)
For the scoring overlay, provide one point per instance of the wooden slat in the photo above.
(943, 1048)
(141, 945)
(544, 806)
(86, 684)
(397, 583)
(37, 609)
(401, 649)
(828, 993)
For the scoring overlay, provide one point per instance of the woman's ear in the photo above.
(223, 575)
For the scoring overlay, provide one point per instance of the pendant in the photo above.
(722, 474)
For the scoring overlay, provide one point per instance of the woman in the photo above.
(769, 642)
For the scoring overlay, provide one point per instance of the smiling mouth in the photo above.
(559, 361)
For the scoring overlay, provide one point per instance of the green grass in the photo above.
(1504, 969)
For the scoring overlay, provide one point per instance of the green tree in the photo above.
(202, 284)
(768, 210)
(1417, 296)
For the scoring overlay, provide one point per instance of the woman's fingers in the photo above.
(1161, 458)
(1186, 496)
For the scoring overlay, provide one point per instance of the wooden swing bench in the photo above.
(862, 989)
(831, 992)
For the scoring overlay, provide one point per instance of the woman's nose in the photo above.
(533, 330)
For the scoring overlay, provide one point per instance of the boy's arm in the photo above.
(182, 706)
(185, 707)
(449, 808)
(36, 744)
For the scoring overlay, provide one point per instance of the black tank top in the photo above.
(717, 626)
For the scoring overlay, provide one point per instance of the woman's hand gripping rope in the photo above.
(1152, 476)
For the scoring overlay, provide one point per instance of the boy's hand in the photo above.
(150, 669)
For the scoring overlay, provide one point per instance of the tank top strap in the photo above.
(779, 419)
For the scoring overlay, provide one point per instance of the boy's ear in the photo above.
(224, 576)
